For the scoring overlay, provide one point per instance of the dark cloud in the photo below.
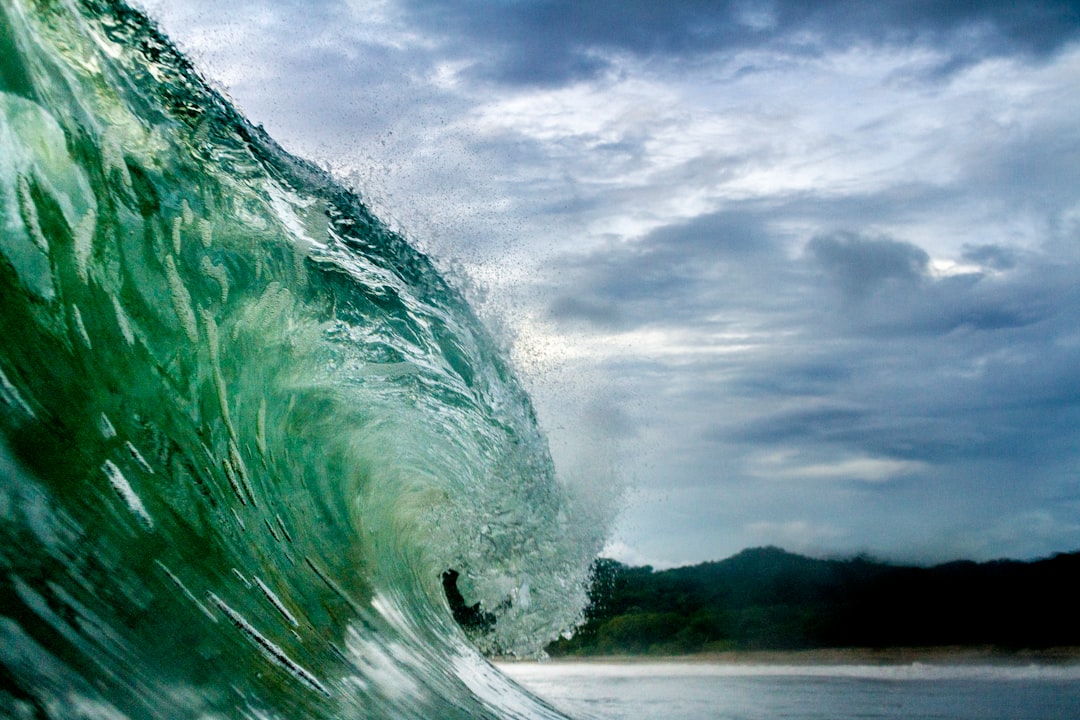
(816, 424)
(794, 377)
(862, 266)
(556, 41)
(859, 348)
(909, 305)
(997, 257)
(569, 309)
(676, 273)
(722, 236)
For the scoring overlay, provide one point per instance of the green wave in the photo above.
(247, 433)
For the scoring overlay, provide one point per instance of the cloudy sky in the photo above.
(802, 274)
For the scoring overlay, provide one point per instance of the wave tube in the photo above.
(257, 458)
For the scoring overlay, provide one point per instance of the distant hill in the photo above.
(769, 599)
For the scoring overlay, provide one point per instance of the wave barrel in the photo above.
(251, 441)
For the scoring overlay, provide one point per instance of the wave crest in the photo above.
(251, 433)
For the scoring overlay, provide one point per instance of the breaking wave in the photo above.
(258, 459)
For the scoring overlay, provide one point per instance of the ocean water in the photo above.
(674, 691)
(246, 431)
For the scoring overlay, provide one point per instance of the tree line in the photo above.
(769, 599)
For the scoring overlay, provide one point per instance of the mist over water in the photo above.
(246, 430)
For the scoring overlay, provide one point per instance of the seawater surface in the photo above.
(702, 691)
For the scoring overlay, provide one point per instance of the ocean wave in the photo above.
(257, 454)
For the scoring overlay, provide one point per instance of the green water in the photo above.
(244, 428)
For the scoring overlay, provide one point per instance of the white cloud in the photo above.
(793, 465)
(618, 550)
(794, 535)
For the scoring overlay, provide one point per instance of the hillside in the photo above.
(769, 599)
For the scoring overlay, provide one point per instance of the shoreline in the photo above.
(838, 656)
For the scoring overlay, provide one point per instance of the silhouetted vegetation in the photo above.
(769, 599)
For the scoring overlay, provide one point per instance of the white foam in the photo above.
(123, 323)
(276, 602)
(80, 327)
(181, 300)
(127, 494)
(11, 396)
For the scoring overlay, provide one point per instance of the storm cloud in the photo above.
(559, 41)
